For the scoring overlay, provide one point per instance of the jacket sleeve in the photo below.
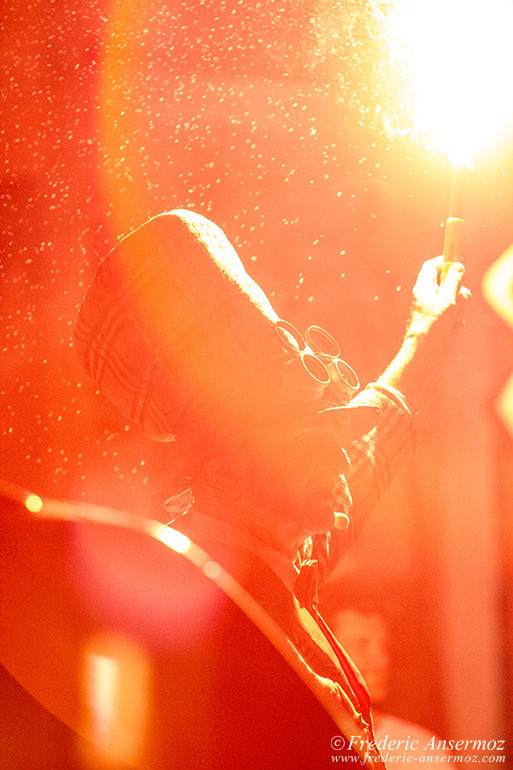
(374, 459)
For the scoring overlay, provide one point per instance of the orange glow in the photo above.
(33, 503)
(497, 289)
(172, 538)
(116, 699)
(457, 55)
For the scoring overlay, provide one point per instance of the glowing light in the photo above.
(212, 570)
(497, 289)
(173, 539)
(33, 503)
(104, 673)
(116, 701)
(457, 55)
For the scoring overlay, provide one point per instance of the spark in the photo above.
(456, 54)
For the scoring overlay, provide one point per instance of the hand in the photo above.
(437, 308)
(436, 311)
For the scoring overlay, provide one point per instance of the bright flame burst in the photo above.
(458, 56)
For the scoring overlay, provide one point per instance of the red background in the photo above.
(263, 120)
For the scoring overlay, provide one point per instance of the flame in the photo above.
(456, 53)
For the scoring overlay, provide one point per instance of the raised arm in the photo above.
(436, 311)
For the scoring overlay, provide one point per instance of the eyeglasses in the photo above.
(319, 353)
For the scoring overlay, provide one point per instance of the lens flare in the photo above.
(172, 538)
(116, 679)
(456, 54)
(33, 503)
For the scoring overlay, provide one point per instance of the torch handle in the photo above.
(455, 224)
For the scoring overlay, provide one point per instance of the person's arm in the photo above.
(435, 313)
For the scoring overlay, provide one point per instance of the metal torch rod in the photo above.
(455, 224)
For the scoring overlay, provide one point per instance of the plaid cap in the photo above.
(175, 333)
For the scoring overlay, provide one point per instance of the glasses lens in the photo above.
(347, 374)
(316, 368)
(290, 338)
(322, 342)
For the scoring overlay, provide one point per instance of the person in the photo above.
(365, 634)
(285, 461)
